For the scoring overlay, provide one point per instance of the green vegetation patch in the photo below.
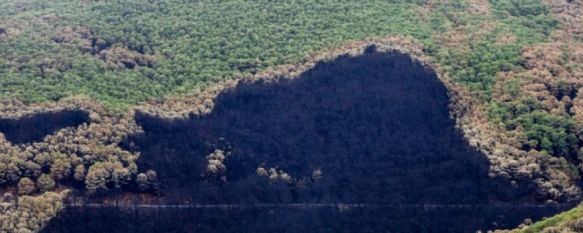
(569, 221)
(125, 52)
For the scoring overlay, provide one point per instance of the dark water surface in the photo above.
(373, 129)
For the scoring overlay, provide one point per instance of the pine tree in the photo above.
(45, 183)
(26, 186)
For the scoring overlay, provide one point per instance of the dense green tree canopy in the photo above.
(124, 52)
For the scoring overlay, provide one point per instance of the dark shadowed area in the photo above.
(294, 220)
(35, 127)
(372, 129)
(376, 126)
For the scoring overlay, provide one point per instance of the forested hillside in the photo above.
(512, 68)
(124, 52)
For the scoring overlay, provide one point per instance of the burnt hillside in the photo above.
(34, 128)
(368, 129)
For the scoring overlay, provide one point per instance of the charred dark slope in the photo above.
(34, 128)
(293, 220)
(376, 126)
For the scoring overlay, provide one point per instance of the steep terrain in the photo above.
(511, 69)
(344, 131)
(343, 141)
